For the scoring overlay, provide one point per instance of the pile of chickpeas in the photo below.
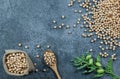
(16, 62)
(105, 22)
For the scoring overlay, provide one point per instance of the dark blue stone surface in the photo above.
(30, 22)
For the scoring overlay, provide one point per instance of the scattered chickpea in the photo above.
(36, 70)
(55, 27)
(44, 70)
(67, 26)
(35, 64)
(91, 50)
(48, 46)
(37, 56)
(62, 24)
(74, 25)
(75, 11)
(54, 21)
(19, 44)
(26, 47)
(38, 46)
(63, 17)
(69, 32)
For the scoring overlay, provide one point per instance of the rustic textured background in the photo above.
(30, 22)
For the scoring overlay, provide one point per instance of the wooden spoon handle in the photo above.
(57, 74)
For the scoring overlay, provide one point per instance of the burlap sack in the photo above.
(29, 63)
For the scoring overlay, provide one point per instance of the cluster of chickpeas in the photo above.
(16, 62)
(105, 22)
(49, 58)
(113, 57)
(105, 54)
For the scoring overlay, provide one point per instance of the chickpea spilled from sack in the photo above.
(50, 60)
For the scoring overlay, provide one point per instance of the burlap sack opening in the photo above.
(29, 63)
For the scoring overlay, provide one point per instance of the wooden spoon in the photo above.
(50, 60)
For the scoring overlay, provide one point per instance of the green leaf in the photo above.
(109, 70)
(109, 66)
(81, 67)
(98, 75)
(85, 72)
(98, 59)
(92, 68)
(116, 77)
(91, 61)
(88, 56)
(77, 61)
(76, 64)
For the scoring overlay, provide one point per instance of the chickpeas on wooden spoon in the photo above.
(50, 60)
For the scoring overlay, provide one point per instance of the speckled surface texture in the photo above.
(30, 22)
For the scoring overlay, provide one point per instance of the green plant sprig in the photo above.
(109, 70)
(90, 64)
